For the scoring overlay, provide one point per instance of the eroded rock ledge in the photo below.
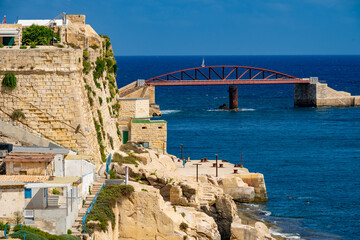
(167, 205)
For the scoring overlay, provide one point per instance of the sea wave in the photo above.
(240, 110)
(169, 111)
(275, 232)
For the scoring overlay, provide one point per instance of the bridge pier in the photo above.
(233, 97)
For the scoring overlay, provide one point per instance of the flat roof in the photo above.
(23, 178)
(79, 157)
(33, 149)
(11, 183)
(40, 22)
(64, 180)
(147, 121)
(29, 157)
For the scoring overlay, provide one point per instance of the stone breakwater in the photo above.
(168, 202)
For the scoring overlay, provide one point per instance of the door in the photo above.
(8, 41)
(125, 136)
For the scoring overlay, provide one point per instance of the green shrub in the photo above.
(183, 214)
(37, 234)
(91, 101)
(112, 91)
(17, 115)
(28, 236)
(94, 47)
(183, 226)
(111, 140)
(60, 46)
(100, 118)
(86, 67)
(100, 101)
(86, 54)
(137, 178)
(69, 231)
(40, 35)
(116, 107)
(1, 45)
(112, 174)
(131, 159)
(2, 227)
(9, 81)
(55, 191)
(17, 228)
(144, 190)
(32, 45)
(23, 47)
(114, 68)
(130, 147)
(100, 66)
(102, 210)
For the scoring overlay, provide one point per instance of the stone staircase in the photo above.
(53, 201)
(206, 195)
(76, 228)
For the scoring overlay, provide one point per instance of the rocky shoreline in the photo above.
(168, 202)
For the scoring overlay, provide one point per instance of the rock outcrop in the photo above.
(145, 209)
(246, 232)
(237, 189)
(175, 206)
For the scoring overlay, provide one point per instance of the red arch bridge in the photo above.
(224, 75)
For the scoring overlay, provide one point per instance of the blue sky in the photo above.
(211, 27)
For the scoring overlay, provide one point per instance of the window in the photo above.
(159, 127)
(28, 193)
(145, 144)
(144, 127)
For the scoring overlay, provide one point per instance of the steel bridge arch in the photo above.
(223, 75)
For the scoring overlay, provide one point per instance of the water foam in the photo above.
(275, 232)
(240, 110)
(169, 111)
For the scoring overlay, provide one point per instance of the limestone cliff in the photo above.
(67, 93)
(152, 212)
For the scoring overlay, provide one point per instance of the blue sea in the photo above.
(310, 157)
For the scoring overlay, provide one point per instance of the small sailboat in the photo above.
(203, 63)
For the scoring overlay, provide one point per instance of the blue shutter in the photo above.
(28, 193)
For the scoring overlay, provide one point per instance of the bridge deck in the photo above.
(228, 82)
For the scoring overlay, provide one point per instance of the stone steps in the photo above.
(77, 225)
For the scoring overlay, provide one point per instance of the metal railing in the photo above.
(84, 228)
(15, 234)
(108, 162)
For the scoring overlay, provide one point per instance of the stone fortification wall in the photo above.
(134, 108)
(51, 91)
(133, 91)
(319, 94)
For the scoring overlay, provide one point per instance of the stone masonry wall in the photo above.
(319, 94)
(154, 133)
(51, 93)
(13, 198)
(134, 108)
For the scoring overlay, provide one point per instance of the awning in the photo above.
(9, 33)
(46, 185)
